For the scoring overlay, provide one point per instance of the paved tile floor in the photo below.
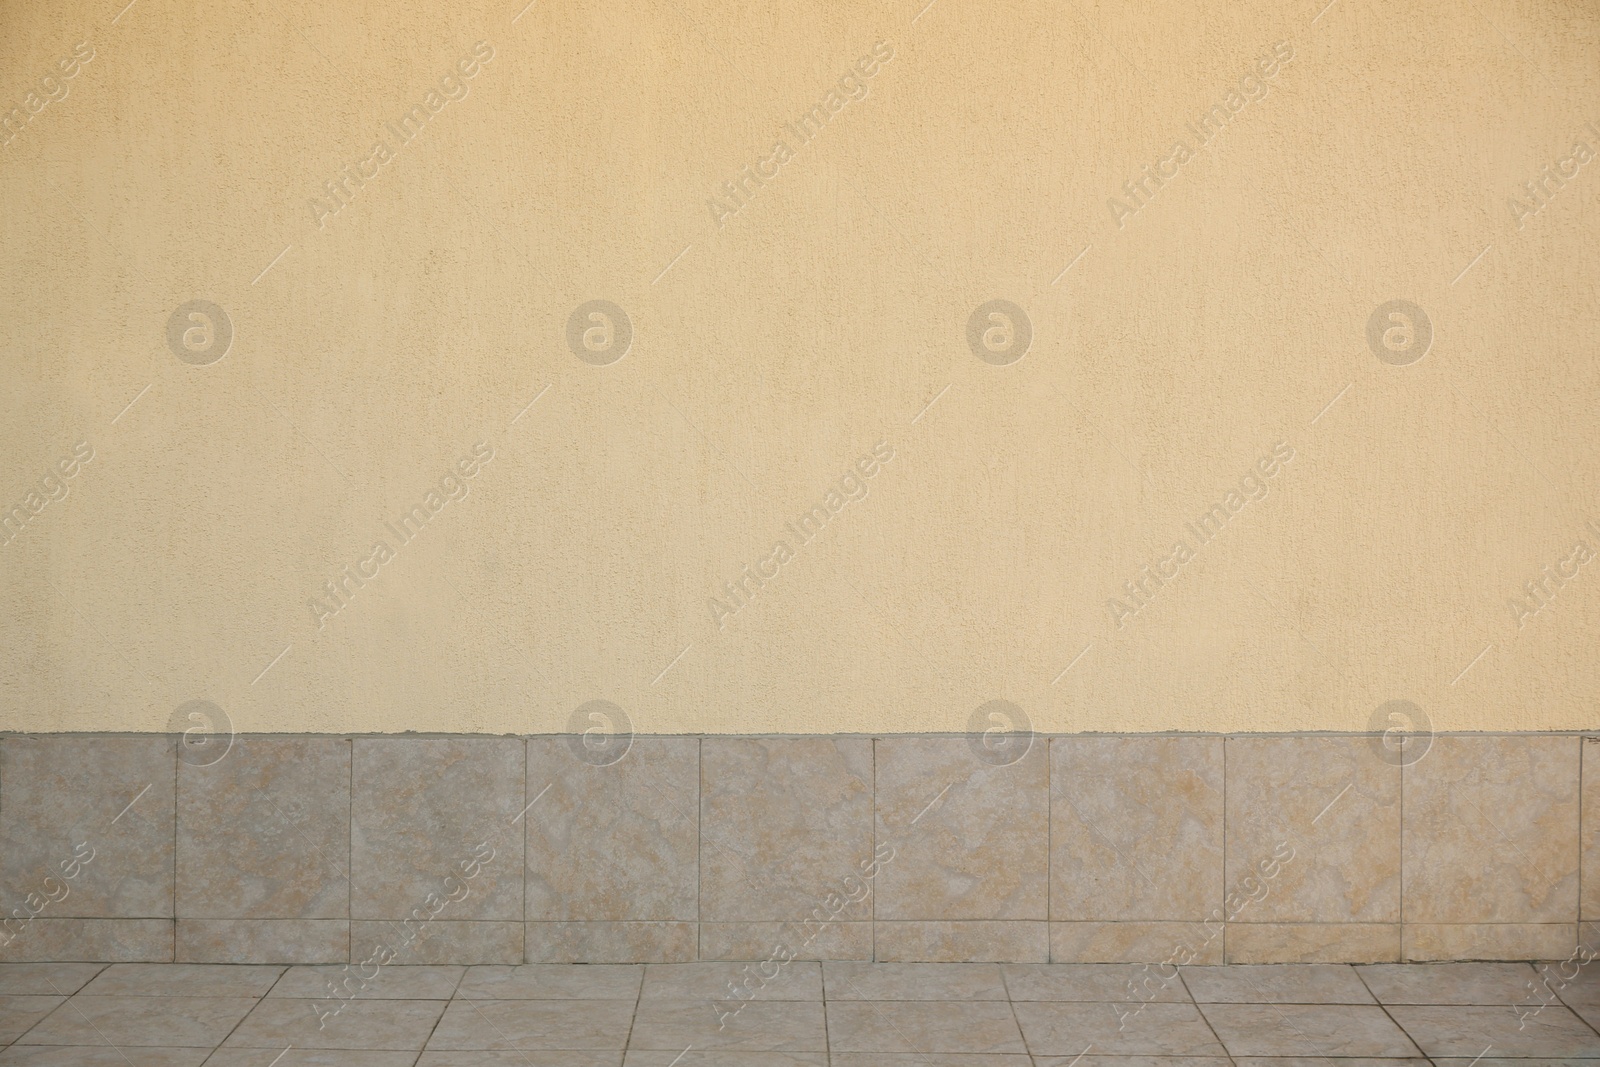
(809, 1015)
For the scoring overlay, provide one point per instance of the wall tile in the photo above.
(93, 940)
(961, 942)
(614, 842)
(263, 940)
(784, 822)
(1135, 828)
(970, 839)
(111, 794)
(1312, 942)
(1590, 905)
(757, 941)
(1338, 804)
(1491, 831)
(1135, 942)
(264, 832)
(611, 942)
(419, 809)
(442, 941)
(1421, 942)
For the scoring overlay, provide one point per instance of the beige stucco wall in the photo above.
(1173, 348)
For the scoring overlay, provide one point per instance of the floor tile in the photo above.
(534, 1024)
(696, 1058)
(1469, 1031)
(922, 1027)
(389, 983)
(1149, 1061)
(523, 1058)
(553, 981)
(913, 1059)
(160, 1022)
(913, 981)
(1276, 983)
(47, 979)
(375, 1025)
(1089, 1060)
(20, 1012)
(1095, 982)
(308, 1057)
(182, 980)
(102, 1056)
(1302, 1030)
(757, 1026)
(798, 980)
(1151, 1029)
(1450, 983)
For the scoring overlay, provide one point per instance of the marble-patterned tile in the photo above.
(1153, 1029)
(1313, 942)
(1276, 984)
(1136, 828)
(1319, 1030)
(375, 1025)
(1491, 831)
(46, 979)
(756, 1026)
(1459, 1031)
(436, 827)
(1136, 942)
(786, 829)
(1439, 942)
(184, 1022)
(972, 941)
(1449, 983)
(181, 980)
(265, 832)
(971, 839)
(610, 942)
(913, 981)
(524, 1058)
(923, 1027)
(86, 826)
(552, 982)
(1331, 804)
(395, 982)
(440, 942)
(535, 1024)
(1113, 982)
(667, 1058)
(106, 1056)
(263, 940)
(771, 940)
(313, 1057)
(798, 980)
(90, 940)
(1589, 906)
(614, 842)
(20, 1011)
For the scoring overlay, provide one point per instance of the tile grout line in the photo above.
(451, 999)
(1385, 1008)
(1005, 987)
(259, 1001)
(1226, 1051)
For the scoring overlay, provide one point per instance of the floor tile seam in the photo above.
(240, 1022)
